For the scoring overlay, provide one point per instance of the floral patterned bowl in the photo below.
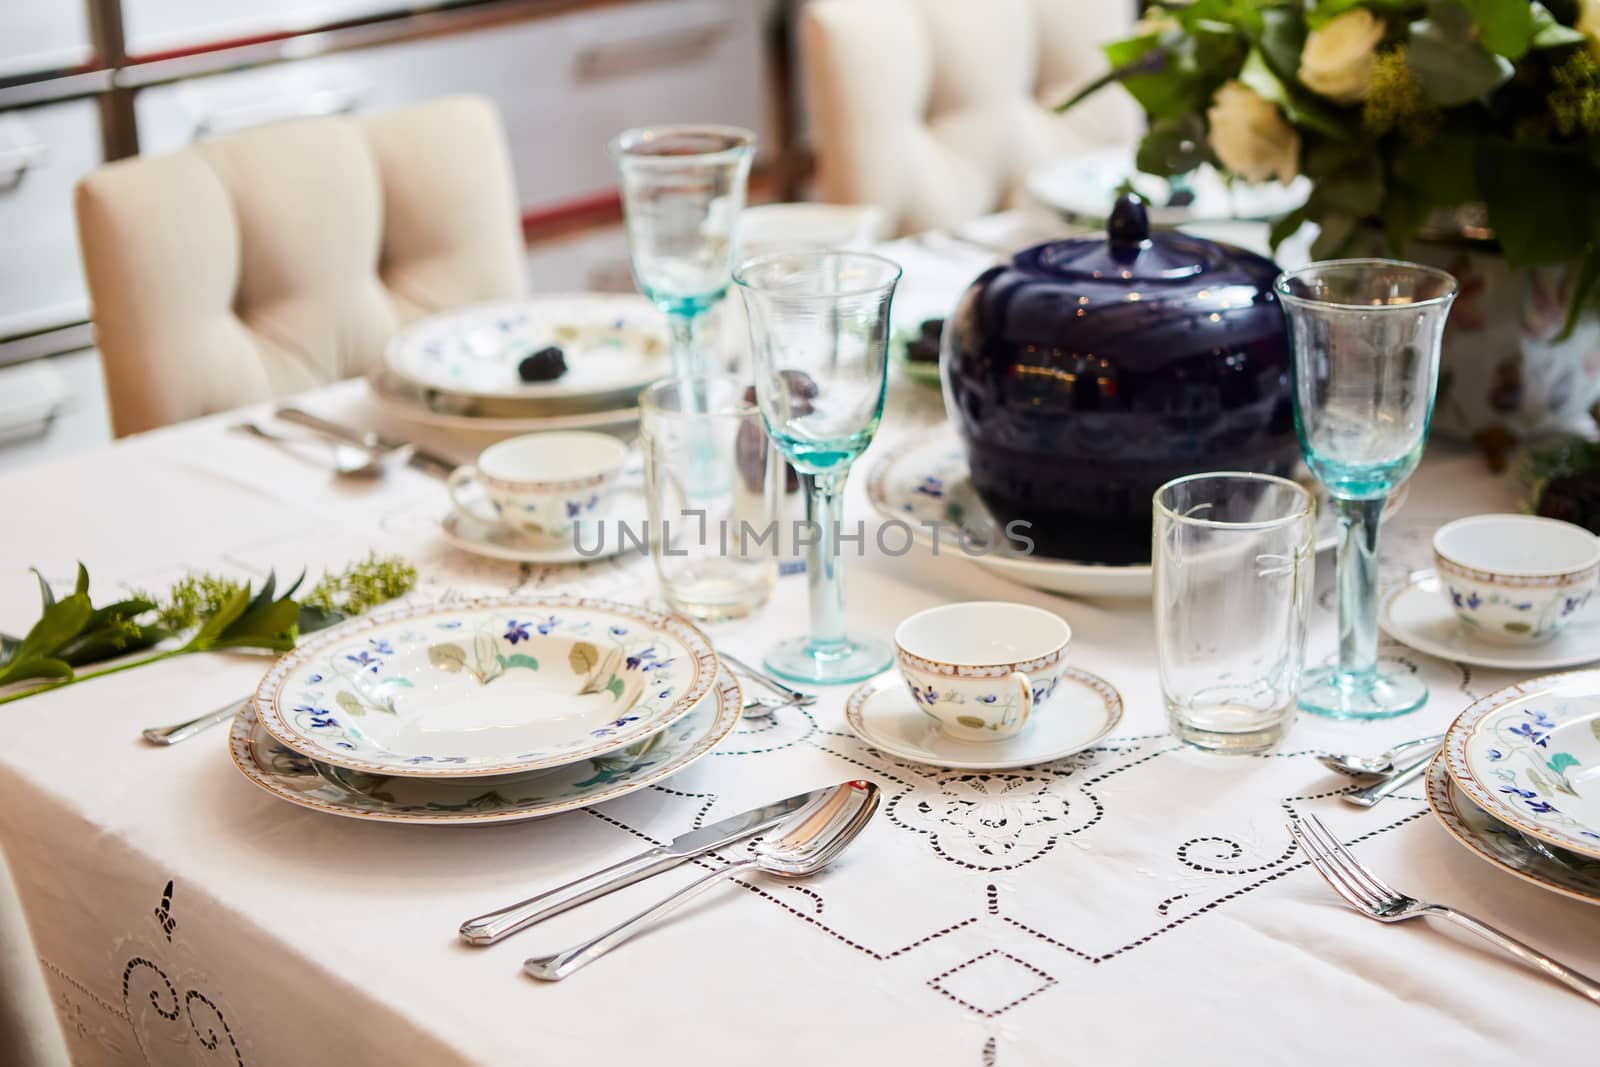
(494, 686)
(1516, 579)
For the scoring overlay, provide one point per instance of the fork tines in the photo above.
(1346, 874)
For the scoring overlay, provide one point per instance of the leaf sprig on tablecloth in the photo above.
(200, 613)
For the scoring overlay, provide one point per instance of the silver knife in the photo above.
(1373, 794)
(421, 458)
(497, 925)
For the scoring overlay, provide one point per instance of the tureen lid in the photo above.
(1132, 255)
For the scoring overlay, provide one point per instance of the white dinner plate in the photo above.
(1417, 615)
(1084, 709)
(621, 526)
(1529, 755)
(287, 774)
(925, 479)
(495, 686)
(1507, 848)
(614, 345)
(1085, 187)
(405, 401)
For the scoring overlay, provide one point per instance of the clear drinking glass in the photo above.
(683, 190)
(819, 332)
(1233, 557)
(1365, 335)
(713, 482)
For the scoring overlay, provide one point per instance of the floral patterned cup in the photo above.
(982, 668)
(1516, 579)
(544, 483)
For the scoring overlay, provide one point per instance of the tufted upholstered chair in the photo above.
(283, 257)
(934, 110)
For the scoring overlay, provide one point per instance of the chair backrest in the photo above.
(935, 110)
(30, 1035)
(283, 257)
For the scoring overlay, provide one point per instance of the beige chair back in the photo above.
(30, 1035)
(283, 257)
(935, 110)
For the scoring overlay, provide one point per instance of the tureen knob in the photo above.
(1129, 225)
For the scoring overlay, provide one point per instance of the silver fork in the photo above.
(1374, 898)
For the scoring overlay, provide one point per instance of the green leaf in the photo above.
(583, 657)
(1531, 192)
(83, 580)
(1336, 230)
(1548, 33)
(213, 627)
(1173, 146)
(447, 657)
(314, 618)
(1454, 67)
(36, 667)
(270, 626)
(1301, 109)
(1283, 38)
(1560, 761)
(615, 687)
(1504, 26)
(1348, 177)
(60, 623)
(46, 594)
(1582, 290)
(1285, 227)
(519, 659)
(1325, 11)
(350, 703)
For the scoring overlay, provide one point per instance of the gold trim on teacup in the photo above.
(976, 670)
(1514, 581)
(514, 485)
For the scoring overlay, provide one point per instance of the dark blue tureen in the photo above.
(1083, 374)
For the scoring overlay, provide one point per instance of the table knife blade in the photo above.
(498, 925)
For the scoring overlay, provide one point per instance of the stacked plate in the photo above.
(486, 711)
(1518, 782)
(461, 370)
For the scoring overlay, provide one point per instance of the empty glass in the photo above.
(683, 190)
(1365, 335)
(713, 482)
(819, 332)
(1233, 557)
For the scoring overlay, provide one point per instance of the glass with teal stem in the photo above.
(819, 333)
(1365, 336)
(683, 189)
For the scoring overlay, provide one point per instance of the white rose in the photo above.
(1588, 24)
(1338, 58)
(1250, 137)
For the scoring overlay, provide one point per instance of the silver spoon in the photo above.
(349, 461)
(1383, 763)
(802, 844)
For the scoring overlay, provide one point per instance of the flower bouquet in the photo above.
(1475, 121)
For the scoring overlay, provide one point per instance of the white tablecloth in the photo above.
(1140, 903)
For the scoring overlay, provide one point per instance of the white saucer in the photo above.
(627, 508)
(1417, 615)
(1084, 709)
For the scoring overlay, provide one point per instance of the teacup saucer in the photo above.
(1084, 710)
(1417, 615)
(626, 509)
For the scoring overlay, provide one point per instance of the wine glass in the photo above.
(819, 333)
(1365, 336)
(683, 190)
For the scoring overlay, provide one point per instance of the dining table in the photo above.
(1139, 902)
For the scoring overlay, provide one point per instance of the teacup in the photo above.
(545, 483)
(982, 668)
(1516, 579)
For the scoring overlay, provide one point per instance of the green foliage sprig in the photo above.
(1405, 109)
(200, 613)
